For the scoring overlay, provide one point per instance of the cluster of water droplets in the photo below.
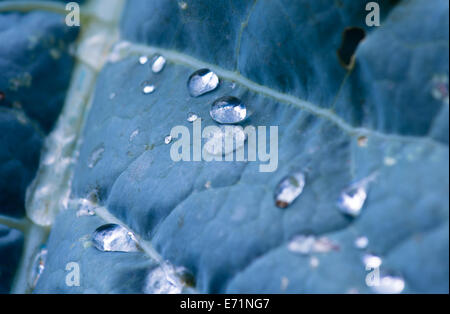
(158, 63)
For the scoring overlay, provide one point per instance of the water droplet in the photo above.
(95, 156)
(168, 139)
(363, 141)
(314, 262)
(289, 189)
(114, 238)
(158, 64)
(133, 135)
(192, 117)
(147, 88)
(164, 280)
(361, 243)
(37, 267)
(216, 142)
(228, 110)
(389, 285)
(352, 200)
(202, 81)
(143, 60)
(112, 96)
(183, 5)
(440, 89)
(371, 261)
(86, 208)
(305, 245)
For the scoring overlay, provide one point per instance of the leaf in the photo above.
(385, 119)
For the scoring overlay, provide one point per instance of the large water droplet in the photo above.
(158, 64)
(228, 110)
(352, 200)
(289, 189)
(147, 88)
(95, 156)
(216, 142)
(308, 244)
(202, 81)
(164, 280)
(389, 285)
(37, 267)
(114, 238)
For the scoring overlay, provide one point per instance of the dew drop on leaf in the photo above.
(147, 88)
(201, 82)
(114, 238)
(163, 280)
(228, 110)
(37, 267)
(361, 243)
(143, 60)
(158, 64)
(192, 117)
(289, 189)
(86, 208)
(95, 156)
(168, 139)
(352, 200)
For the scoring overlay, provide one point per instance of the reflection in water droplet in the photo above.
(143, 60)
(305, 245)
(114, 238)
(228, 110)
(95, 156)
(352, 200)
(202, 81)
(168, 139)
(37, 267)
(361, 243)
(147, 88)
(389, 285)
(371, 261)
(216, 142)
(192, 117)
(164, 280)
(158, 64)
(289, 189)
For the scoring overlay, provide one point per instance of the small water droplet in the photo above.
(202, 81)
(371, 261)
(216, 142)
(361, 243)
(133, 135)
(183, 5)
(228, 110)
(289, 189)
(37, 267)
(352, 200)
(147, 88)
(86, 208)
(363, 141)
(95, 156)
(192, 117)
(114, 238)
(158, 64)
(440, 89)
(112, 96)
(307, 244)
(164, 280)
(389, 284)
(168, 139)
(143, 60)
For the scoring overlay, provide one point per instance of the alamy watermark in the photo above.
(226, 143)
(73, 17)
(373, 18)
